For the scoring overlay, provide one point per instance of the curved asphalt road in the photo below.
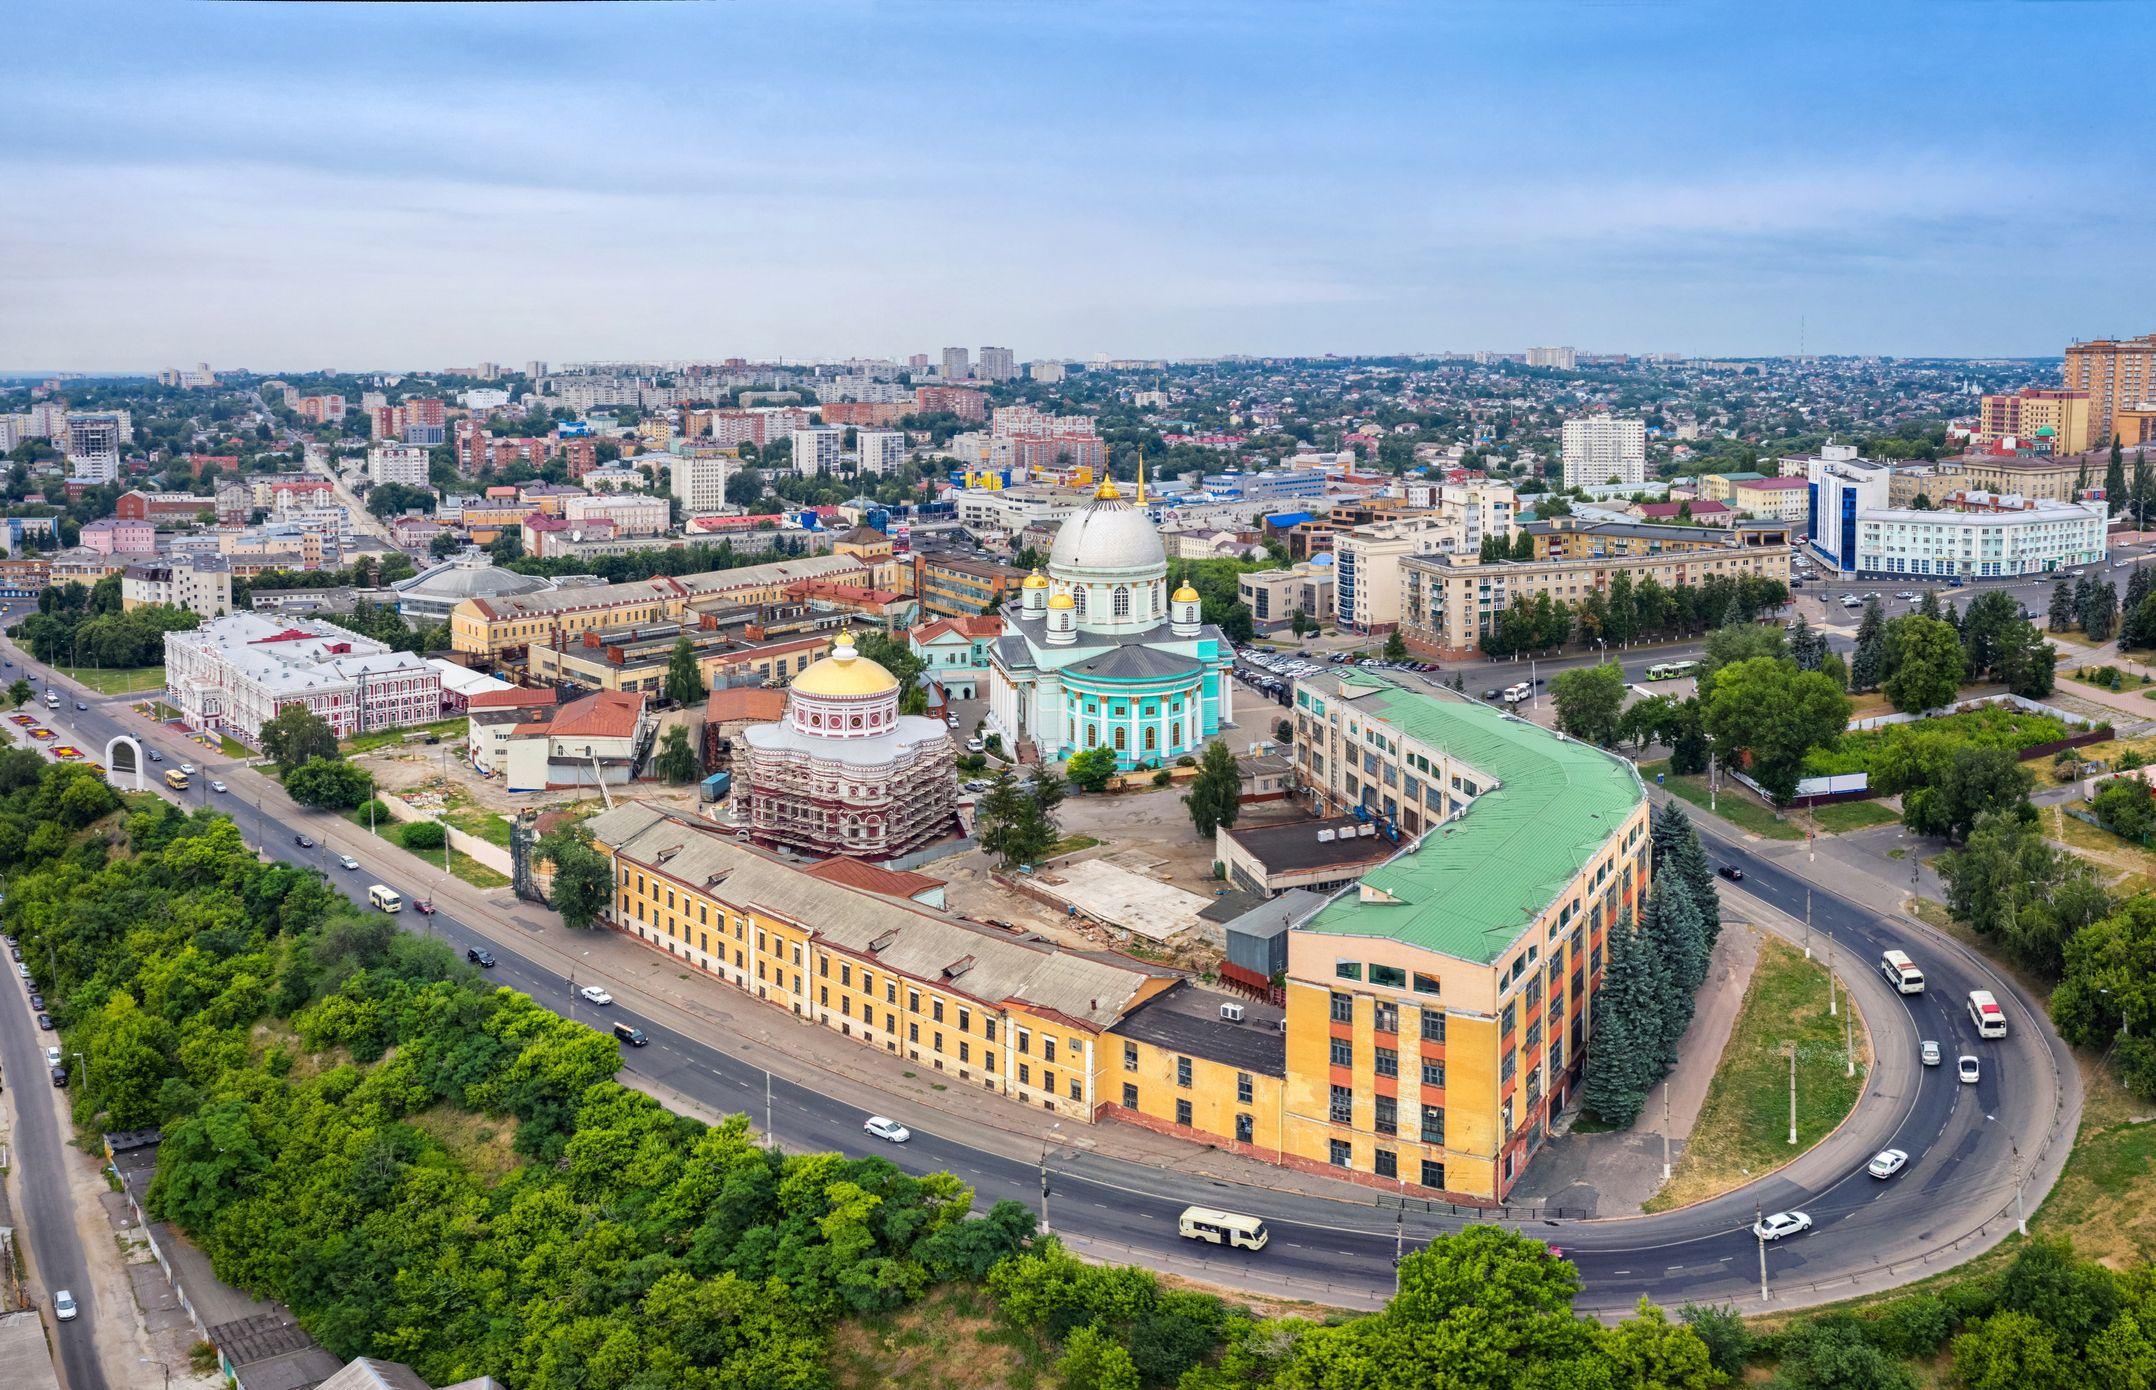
(1943, 1208)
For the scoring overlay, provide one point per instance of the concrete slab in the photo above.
(1110, 893)
(25, 1356)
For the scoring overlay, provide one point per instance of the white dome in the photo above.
(1108, 536)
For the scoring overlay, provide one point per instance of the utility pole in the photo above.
(1790, 1047)
(1045, 1140)
(1713, 780)
(1761, 1216)
(1849, 1042)
(1807, 924)
(770, 1135)
(1831, 1010)
(1665, 1129)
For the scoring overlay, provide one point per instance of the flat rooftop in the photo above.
(1186, 1019)
(1471, 886)
(1296, 847)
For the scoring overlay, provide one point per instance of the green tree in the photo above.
(1972, 782)
(1092, 1361)
(583, 881)
(1623, 1052)
(296, 734)
(896, 655)
(2115, 479)
(1590, 702)
(1648, 1349)
(1215, 797)
(1395, 646)
(2013, 1351)
(329, 784)
(1723, 1330)
(19, 692)
(1833, 1353)
(422, 835)
(1923, 663)
(676, 760)
(684, 684)
(2061, 617)
(1092, 769)
(1774, 714)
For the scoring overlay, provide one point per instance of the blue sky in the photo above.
(300, 185)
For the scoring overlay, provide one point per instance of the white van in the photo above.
(385, 898)
(1514, 694)
(1985, 1013)
(1222, 1228)
(1901, 972)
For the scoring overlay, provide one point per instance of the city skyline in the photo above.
(302, 187)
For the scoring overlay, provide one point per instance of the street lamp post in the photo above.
(1046, 1139)
(1759, 1234)
(1790, 1047)
(84, 1062)
(153, 1361)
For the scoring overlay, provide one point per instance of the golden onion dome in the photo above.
(845, 672)
(1107, 491)
(1186, 594)
(1036, 580)
(1062, 601)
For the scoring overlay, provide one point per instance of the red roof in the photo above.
(749, 702)
(601, 714)
(978, 625)
(1774, 484)
(873, 878)
(517, 698)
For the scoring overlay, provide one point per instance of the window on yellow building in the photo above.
(1243, 1088)
(1339, 1153)
(1130, 1056)
(1343, 1052)
(1130, 1096)
(1341, 1107)
(1343, 1008)
(1182, 1071)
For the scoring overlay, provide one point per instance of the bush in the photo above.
(1162, 778)
(1729, 1341)
(1994, 726)
(1915, 1327)
(422, 834)
(1186, 761)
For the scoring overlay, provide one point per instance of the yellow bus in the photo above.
(176, 779)
(385, 898)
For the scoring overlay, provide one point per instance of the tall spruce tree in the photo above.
(1687, 862)
(1622, 1053)
(2115, 479)
(2061, 616)
(1867, 666)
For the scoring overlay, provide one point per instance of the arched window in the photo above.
(1119, 740)
(1092, 735)
(1122, 601)
(1150, 739)
(1078, 597)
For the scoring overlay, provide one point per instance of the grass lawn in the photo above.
(1743, 1127)
(116, 680)
(232, 747)
(487, 825)
(950, 1340)
(444, 729)
(1852, 815)
(461, 864)
(1070, 844)
(1736, 804)
(2122, 866)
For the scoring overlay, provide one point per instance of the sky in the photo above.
(286, 186)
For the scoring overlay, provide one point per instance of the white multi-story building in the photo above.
(93, 447)
(234, 674)
(1368, 582)
(882, 452)
(633, 514)
(955, 365)
(998, 364)
(198, 583)
(397, 463)
(1562, 358)
(1045, 371)
(1604, 449)
(816, 448)
(480, 400)
(700, 483)
(1842, 490)
(1479, 509)
(1994, 537)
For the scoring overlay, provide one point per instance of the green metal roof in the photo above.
(1473, 884)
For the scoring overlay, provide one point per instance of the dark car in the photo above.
(15, 951)
(481, 957)
(634, 1037)
(1732, 873)
(1492, 694)
(80, 705)
(156, 757)
(44, 1022)
(59, 1075)
(423, 906)
(37, 1001)
(303, 841)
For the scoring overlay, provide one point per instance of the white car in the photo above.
(1967, 1066)
(1930, 1053)
(188, 768)
(887, 1129)
(975, 745)
(219, 787)
(596, 995)
(1886, 1163)
(63, 1305)
(1781, 1223)
(346, 861)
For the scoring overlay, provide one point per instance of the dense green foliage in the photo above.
(1630, 612)
(1016, 821)
(1215, 797)
(78, 626)
(1992, 726)
(583, 878)
(1590, 702)
(1767, 715)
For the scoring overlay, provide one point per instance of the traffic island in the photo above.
(1744, 1126)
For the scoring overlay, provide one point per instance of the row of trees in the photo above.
(1651, 973)
(83, 625)
(304, 749)
(1921, 659)
(1632, 611)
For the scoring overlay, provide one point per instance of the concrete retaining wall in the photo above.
(462, 841)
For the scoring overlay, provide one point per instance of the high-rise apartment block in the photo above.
(2118, 373)
(955, 366)
(1562, 358)
(2036, 415)
(1045, 371)
(816, 448)
(998, 364)
(93, 447)
(535, 369)
(1601, 449)
(882, 452)
(700, 483)
(397, 463)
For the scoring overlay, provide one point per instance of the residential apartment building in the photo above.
(1979, 536)
(630, 514)
(817, 448)
(1366, 568)
(998, 364)
(92, 445)
(405, 464)
(955, 365)
(171, 508)
(112, 535)
(1451, 602)
(961, 401)
(882, 453)
(199, 583)
(2117, 374)
(1438, 1015)
(1601, 449)
(2050, 478)
(1773, 499)
(2058, 420)
(1562, 358)
(234, 674)
(1275, 596)
(949, 587)
(699, 484)
(1722, 487)
(1478, 508)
